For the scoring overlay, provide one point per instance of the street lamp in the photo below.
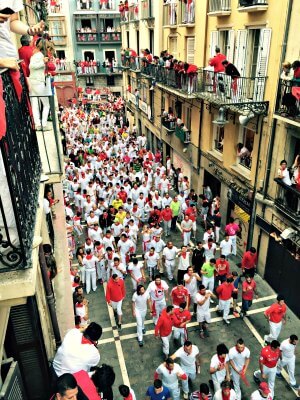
(221, 121)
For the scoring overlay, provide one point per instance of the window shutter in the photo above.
(230, 46)
(240, 51)
(262, 63)
(214, 41)
(173, 46)
(190, 50)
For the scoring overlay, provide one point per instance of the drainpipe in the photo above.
(200, 135)
(49, 296)
(274, 122)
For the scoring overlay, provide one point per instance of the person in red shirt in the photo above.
(25, 53)
(166, 216)
(115, 294)
(222, 270)
(183, 316)
(122, 194)
(179, 294)
(276, 314)
(231, 230)
(191, 211)
(216, 61)
(249, 262)
(163, 328)
(268, 360)
(248, 291)
(224, 292)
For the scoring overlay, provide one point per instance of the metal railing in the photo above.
(170, 125)
(226, 89)
(110, 5)
(246, 161)
(85, 5)
(287, 103)
(170, 16)
(19, 174)
(249, 3)
(110, 37)
(183, 134)
(87, 37)
(219, 6)
(146, 9)
(288, 201)
(133, 12)
(187, 12)
(99, 68)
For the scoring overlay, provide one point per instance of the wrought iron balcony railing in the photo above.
(133, 12)
(87, 38)
(288, 99)
(219, 6)
(170, 16)
(146, 9)
(110, 37)
(186, 12)
(288, 201)
(170, 125)
(19, 174)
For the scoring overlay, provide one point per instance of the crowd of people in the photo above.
(120, 196)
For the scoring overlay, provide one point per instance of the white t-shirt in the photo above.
(257, 396)
(136, 269)
(73, 356)
(192, 286)
(218, 395)
(151, 260)
(170, 254)
(118, 270)
(157, 293)
(187, 361)
(7, 48)
(225, 247)
(239, 358)
(124, 247)
(285, 176)
(214, 363)
(288, 349)
(140, 300)
(170, 378)
(90, 264)
(205, 306)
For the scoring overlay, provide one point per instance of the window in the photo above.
(252, 50)
(57, 31)
(245, 147)
(61, 54)
(86, 24)
(151, 39)
(224, 39)
(190, 50)
(173, 46)
(127, 38)
(110, 80)
(218, 138)
(138, 42)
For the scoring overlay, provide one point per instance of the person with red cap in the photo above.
(263, 392)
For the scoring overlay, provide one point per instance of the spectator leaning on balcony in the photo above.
(233, 72)
(38, 86)
(283, 173)
(287, 73)
(11, 23)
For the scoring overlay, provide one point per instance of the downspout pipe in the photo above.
(50, 297)
(200, 135)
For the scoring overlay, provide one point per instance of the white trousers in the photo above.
(170, 266)
(101, 271)
(191, 375)
(140, 319)
(167, 227)
(90, 280)
(271, 375)
(117, 305)
(275, 328)
(236, 384)
(289, 363)
(39, 89)
(174, 391)
(179, 333)
(224, 305)
(186, 238)
(159, 306)
(217, 381)
(233, 240)
(217, 233)
(208, 282)
(166, 344)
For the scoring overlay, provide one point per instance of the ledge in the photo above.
(244, 172)
(255, 8)
(216, 154)
(220, 13)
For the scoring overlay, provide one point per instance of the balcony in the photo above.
(183, 133)
(146, 10)
(219, 8)
(110, 37)
(111, 5)
(168, 124)
(133, 13)
(186, 14)
(19, 175)
(288, 201)
(170, 15)
(221, 89)
(252, 5)
(86, 38)
(64, 66)
(96, 69)
(288, 99)
(85, 5)
(54, 7)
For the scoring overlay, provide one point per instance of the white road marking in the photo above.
(118, 344)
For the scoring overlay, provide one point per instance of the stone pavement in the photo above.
(136, 366)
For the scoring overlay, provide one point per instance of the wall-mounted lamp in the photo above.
(221, 121)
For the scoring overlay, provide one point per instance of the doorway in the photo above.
(110, 55)
(88, 55)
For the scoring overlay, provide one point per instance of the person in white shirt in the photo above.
(136, 270)
(78, 350)
(90, 263)
(263, 392)
(284, 174)
(219, 368)
(169, 372)
(191, 280)
(288, 359)
(151, 262)
(189, 362)
(226, 246)
(202, 300)
(140, 299)
(158, 245)
(225, 392)
(209, 234)
(169, 255)
(239, 358)
(166, 200)
(209, 249)
(118, 268)
(158, 291)
(125, 247)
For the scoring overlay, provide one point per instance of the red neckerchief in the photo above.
(209, 245)
(84, 340)
(225, 397)
(89, 256)
(170, 370)
(222, 360)
(79, 305)
(129, 397)
(183, 255)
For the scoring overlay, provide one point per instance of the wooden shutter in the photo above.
(190, 50)
(262, 63)
(24, 342)
(214, 41)
(173, 46)
(240, 51)
(230, 46)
